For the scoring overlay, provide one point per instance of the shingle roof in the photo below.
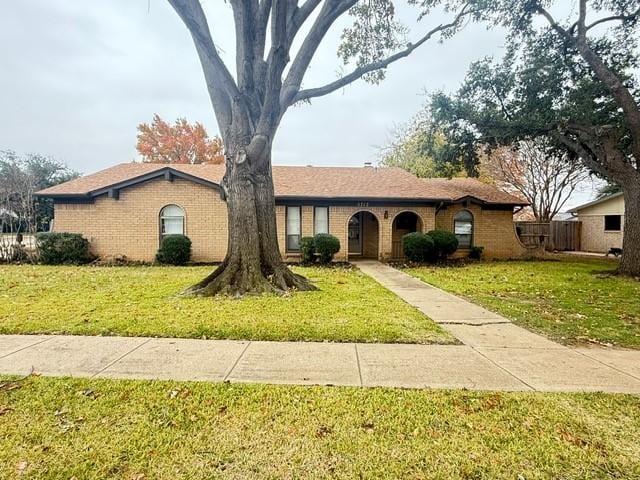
(459, 188)
(301, 182)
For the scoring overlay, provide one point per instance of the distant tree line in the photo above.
(21, 176)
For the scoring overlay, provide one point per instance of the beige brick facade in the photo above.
(492, 229)
(130, 225)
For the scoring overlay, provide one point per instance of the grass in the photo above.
(96, 429)
(143, 301)
(571, 300)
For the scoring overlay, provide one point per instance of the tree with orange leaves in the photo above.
(182, 142)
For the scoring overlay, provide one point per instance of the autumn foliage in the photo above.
(182, 142)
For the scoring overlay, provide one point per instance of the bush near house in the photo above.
(476, 252)
(445, 243)
(174, 250)
(326, 246)
(62, 249)
(307, 249)
(321, 248)
(418, 247)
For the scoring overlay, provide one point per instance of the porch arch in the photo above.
(364, 235)
(404, 222)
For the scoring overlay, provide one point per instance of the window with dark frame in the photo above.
(294, 224)
(463, 228)
(612, 223)
(321, 220)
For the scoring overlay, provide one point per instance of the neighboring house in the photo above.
(127, 209)
(602, 223)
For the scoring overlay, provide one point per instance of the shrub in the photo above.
(445, 242)
(62, 248)
(418, 247)
(307, 249)
(476, 252)
(326, 246)
(174, 250)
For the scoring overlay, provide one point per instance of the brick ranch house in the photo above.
(126, 209)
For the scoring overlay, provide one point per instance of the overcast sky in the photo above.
(79, 76)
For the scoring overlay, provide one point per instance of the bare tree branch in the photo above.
(614, 18)
(329, 13)
(220, 84)
(380, 64)
(300, 15)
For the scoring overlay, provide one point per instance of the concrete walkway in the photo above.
(496, 355)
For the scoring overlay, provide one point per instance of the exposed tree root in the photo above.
(236, 278)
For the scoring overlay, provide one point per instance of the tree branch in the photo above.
(380, 64)
(300, 15)
(220, 84)
(613, 18)
(330, 11)
(620, 93)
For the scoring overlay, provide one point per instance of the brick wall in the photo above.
(130, 225)
(492, 229)
(594, 237)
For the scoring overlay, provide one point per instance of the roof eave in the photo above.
(130, 182)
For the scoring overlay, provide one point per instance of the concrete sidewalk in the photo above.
(411, 366)
(497, 355)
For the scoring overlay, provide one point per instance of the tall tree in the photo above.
(419, 149)
(276, 41)
(182, 142)
(543, 175)
(572, 81)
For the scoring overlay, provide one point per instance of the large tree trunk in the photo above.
(253, 263)
(630, 263)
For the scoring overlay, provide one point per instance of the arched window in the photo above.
(171, 220)
(463, 228)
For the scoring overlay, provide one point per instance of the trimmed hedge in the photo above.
(418, 247)
(174, 250)
(62, 249)
(326, 246)
(307, 249)
(445, 242)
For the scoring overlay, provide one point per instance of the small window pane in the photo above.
(612, 223)
(172, 211)
(293, 242)
(172, 226)
(463, 228)
(321, 223)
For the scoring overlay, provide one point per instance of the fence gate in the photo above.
(566, 236)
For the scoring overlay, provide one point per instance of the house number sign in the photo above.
(363, 204)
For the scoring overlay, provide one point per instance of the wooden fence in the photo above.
(556, 235)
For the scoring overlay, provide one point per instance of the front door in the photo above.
(355, 234)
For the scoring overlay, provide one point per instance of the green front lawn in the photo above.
(144, 301)
(572, 300)
(96, 429)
